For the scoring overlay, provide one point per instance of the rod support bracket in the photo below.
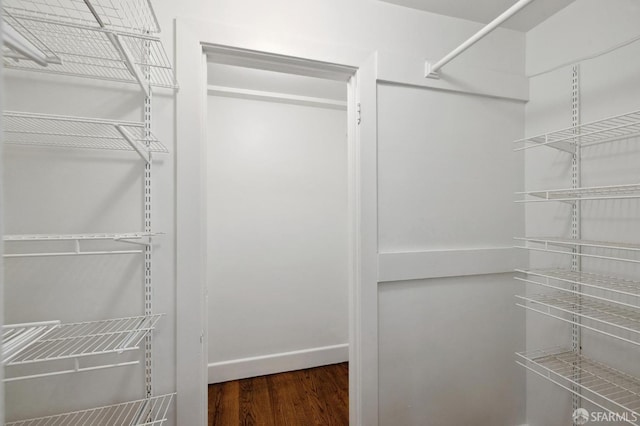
(428, 73)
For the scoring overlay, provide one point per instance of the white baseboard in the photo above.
(277, 363)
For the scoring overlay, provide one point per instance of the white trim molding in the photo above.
(197, 40)
(447, 263)
(236, 369)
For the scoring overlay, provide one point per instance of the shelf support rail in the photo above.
(576, 228)
(431, 70)
(148, 250)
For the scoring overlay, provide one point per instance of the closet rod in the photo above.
(431, 70)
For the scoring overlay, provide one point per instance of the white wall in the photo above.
(464, 331)
(442, 156)
(447, 175)
(276, 226)
(610, 85)
(348, 33)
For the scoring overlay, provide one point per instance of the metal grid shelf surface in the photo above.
(590, 280)
(11, 23)
(622, 321)
(606, 387)
(149, 411)
(18, 337)
(547, 242)
(96, 53)
(73, 237)
(82, 339)
(623, 126)
(610, 192)
(74, 132)
(124, 15)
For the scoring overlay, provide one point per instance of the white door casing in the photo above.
(195, 40)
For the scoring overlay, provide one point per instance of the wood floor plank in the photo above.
(255, 404)
(316, 396)
(224, 403)
(333, 396)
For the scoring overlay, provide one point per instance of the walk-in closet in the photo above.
(364, 212)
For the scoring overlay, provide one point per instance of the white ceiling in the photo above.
(485, 11)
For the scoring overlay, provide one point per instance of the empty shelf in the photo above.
(123, 15)
(150, 411)
(547, 243)
(611, 192)
(18, 337)
(71, 132)
(88, 339)
(608, 388)
(610, 129)
(623, 323)
(20, 44)
(73, 237)
(137, 238)
(97, 53)
(589, 280)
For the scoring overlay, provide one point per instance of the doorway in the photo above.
(279, 204)
(201, 43)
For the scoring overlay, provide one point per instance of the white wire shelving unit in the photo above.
(622, 323)
(610, 192)
(114, 40)
(74, 132)
(547, 244)
(130, 16)
(101, 39)
(72, 243)
(18, 337)
(603, 386)
(143, 412)
(590, 302)
(84, 339)
(611, 129)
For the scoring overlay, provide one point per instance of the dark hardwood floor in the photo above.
(316, 396)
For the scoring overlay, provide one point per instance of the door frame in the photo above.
(194, 41)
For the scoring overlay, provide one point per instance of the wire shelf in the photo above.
(137, 238)
(606, 387)
(620, 320)
(610, 129)
(73, 237)
(143, 412)
(595, 281)
(611, 192)
(123, 15)
(10, 22)
(18, 337)
(97, 53)
(73, 132)
(92, 338)
(548, 242)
